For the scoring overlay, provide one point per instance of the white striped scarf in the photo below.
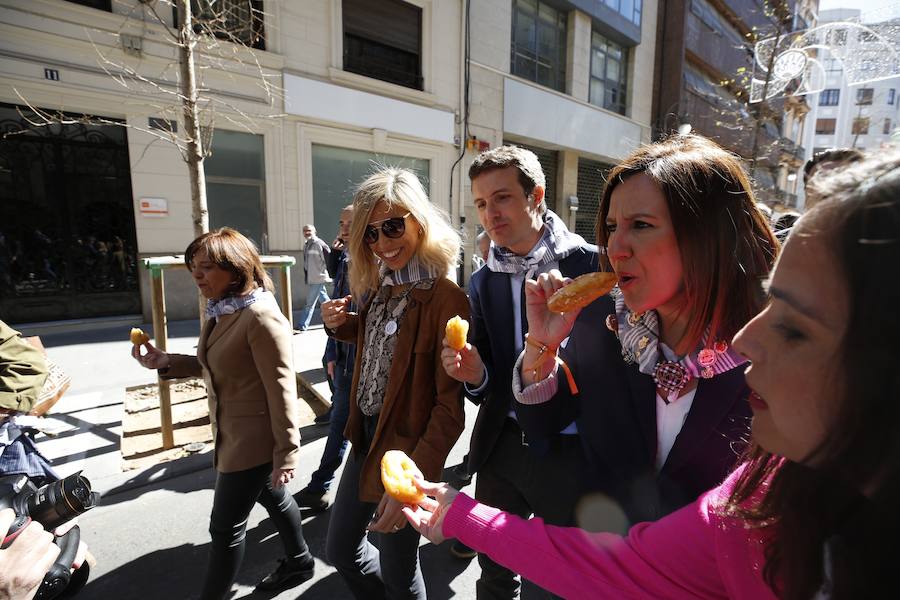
(413, 272)
(556, 243)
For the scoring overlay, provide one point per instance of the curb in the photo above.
(114, 485)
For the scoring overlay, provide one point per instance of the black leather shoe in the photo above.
(312, 499)
(324, 418)
(290, 573)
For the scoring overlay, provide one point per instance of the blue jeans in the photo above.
(391, 571)
(315, 293)
(335, 445)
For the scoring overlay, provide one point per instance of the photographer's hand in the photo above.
(81, 555)
(25, 562)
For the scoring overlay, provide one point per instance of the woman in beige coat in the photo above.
(246, 357)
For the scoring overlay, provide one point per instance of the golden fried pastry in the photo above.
(582, 291)
(457, 330)
(397, 470)
(138, 336)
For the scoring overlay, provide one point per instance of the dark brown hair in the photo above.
(811, 506)
(844, 156)
(531, 174)
(727, 247)
(230, 250)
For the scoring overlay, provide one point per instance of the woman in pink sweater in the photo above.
(814, 511)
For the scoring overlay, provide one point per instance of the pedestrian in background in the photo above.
(315, 274)
(246, 356)
(482, 247)
(402, 248)
(339, 358)
(812, 511)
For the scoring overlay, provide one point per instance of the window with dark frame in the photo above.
(609, 74)
(825, 126)
(891, 96)
(830, 97)
(887, 126)
(383, 40)
(860, 126)
(538, 50)
(864, 96)
(630, 9)
(238, 21)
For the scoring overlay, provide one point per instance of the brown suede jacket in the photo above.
(422, 413)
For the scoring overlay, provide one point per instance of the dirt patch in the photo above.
(141, 435)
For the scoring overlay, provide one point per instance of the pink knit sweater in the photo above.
(690, 554)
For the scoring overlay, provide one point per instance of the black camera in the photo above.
(50, 505)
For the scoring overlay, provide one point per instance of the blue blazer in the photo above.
(492, 330)
(616, 416)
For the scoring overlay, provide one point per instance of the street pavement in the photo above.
(149, 534)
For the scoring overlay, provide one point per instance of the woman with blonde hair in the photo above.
(402, 248)
(245, 354)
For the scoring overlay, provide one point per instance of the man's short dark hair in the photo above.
(531, 174)
(838, 155)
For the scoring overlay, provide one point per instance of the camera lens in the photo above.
(60, 501)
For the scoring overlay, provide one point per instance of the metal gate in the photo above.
(591, 179)
(67, 232)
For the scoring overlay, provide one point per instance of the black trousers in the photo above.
(521, 481)
(234, 498)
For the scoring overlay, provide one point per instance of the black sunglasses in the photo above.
(392, 228)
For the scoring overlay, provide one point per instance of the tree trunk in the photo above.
(188, 89)
(762, 112)
(194, 154)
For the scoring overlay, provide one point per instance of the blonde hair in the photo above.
(439, 243)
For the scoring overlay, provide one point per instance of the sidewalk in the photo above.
(90, 413)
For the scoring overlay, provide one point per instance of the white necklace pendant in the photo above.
(390, 328)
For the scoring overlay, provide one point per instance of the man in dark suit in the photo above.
(526, 239)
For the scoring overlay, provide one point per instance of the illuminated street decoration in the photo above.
(863, 52)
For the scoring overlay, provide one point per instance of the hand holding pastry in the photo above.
(153, 359)
(548, 327)
(464, 364)
(428, 516)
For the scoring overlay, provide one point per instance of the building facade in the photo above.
(861, 116)
(331, 89)
(703, 68)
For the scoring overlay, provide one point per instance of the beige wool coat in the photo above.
(246, 359)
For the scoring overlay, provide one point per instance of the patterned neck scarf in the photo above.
(413, 272)
(556, 243)
(639, 336)
(230, 305)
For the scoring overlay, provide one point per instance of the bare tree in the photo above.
(208, 36)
